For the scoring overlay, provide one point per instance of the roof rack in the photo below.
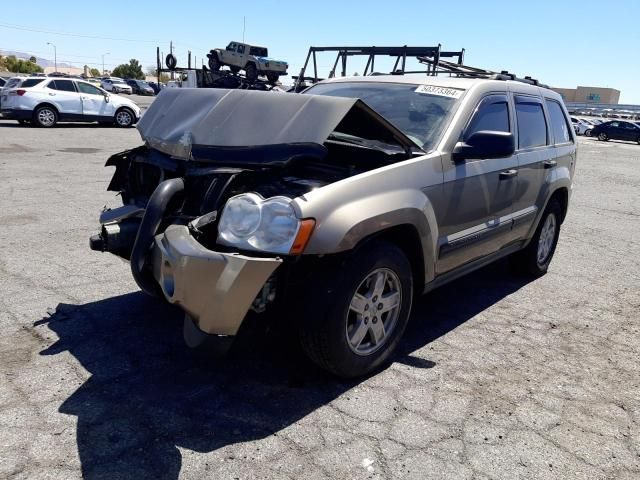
(400, 53)
(432, 57)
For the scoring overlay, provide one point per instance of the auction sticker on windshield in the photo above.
(441, 91)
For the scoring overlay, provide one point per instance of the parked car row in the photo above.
(45, 101)
(617, 130)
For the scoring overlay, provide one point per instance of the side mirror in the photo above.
(485, 144)
(106, 97)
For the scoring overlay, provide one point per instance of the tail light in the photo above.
(20, 92)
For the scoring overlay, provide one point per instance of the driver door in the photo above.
(94, 102)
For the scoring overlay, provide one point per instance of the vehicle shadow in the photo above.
(147, 395)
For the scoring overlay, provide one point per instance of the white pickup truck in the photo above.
(253, 60)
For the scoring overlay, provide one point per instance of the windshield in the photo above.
(419, 115)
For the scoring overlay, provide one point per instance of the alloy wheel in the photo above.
(46, 117)
(123, 118)
(373, 312)
(547, 238)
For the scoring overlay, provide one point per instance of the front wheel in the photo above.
(353, 319)
(124, 118)
(273, 77)
(603, 137)
(536, 257)
(251, 71)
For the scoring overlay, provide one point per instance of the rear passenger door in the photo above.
(534, 152)
(63, 94)
(477, 194)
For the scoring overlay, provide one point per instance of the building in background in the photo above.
(609, 96)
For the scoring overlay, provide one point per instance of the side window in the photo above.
(88, 89)
(63, 85)
(492, 114)
(240, 48)
(532, 126)
(614, 124)
(32, 82)
(231, 47)
(559, 124)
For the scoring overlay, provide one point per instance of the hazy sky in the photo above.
(563, 43)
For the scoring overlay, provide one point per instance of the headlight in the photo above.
(250, 222)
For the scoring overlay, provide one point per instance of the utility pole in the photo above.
(103, 62)
(244, 26)
(55, 55)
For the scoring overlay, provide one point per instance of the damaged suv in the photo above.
(339, 205)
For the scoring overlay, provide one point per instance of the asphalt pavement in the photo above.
(498, 376)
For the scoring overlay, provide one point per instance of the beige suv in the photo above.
(335, 208)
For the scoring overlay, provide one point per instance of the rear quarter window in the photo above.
(559, 124)
(31, 82)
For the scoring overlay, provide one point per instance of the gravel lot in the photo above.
(497, 377)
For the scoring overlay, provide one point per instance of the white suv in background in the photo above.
(116, 85)
(45, 101)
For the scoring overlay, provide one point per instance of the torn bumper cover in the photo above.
(215, 289)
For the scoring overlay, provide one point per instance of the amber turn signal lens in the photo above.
(303, 236)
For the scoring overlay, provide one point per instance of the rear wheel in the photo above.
(587, 133)
(214, 62)
(251, 71)
(124, 118)
(603, 137)
(45, 116)
(353, 318)
(24, 123)
(536, 257)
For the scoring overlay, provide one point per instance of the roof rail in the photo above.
(467, 71)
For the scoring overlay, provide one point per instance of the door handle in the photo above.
(549, 163)
(51, 94)
(508, 174)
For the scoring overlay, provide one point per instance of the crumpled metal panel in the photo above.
(182, 117)
(215, 289)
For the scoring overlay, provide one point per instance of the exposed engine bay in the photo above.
(338, 138)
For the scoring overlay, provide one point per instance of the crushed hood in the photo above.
(180, 119)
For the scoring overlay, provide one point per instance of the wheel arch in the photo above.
(407, 238)
(47, 104)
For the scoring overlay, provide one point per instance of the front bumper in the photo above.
(215, 289)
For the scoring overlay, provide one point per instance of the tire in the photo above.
(333, 334)
(273, 77)
(24, 123)
(638, 140)
(214, 62)
(251, 71)
(171, 61)
(587, 133)
(124, 118)
(536, 257)
(603, 137)
(45, 116)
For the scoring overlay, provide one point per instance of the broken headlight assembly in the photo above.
(251, 222)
